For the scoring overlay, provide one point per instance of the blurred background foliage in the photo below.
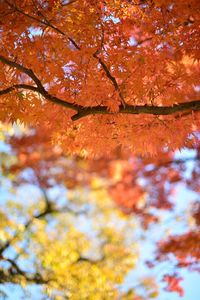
(74, 228)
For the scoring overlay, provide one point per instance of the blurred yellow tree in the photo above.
(75, 243)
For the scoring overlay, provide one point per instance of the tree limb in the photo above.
(40, 88)
(140, 109)
(23, 69)
(83, 111)
(18, 86)
(14, 271)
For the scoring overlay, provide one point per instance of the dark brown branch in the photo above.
(18, 86)
(111, 78)
(140, 109)
(74, 43)
(94, 110)
(11, 274)
(40, 88)
(23, 69)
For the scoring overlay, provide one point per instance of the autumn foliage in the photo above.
(103, 74)
(101, 95)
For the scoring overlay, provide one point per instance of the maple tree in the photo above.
(113, 77)
(103, 74)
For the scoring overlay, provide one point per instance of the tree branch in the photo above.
(23, 69)
(140, 109)
(18, 86)
(111, 78)
(40, 88)
(14, 271)
(83, 111)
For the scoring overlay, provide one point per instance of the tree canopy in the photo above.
(96, 97)
(99, 75)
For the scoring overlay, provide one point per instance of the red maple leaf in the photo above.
(173, 284)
